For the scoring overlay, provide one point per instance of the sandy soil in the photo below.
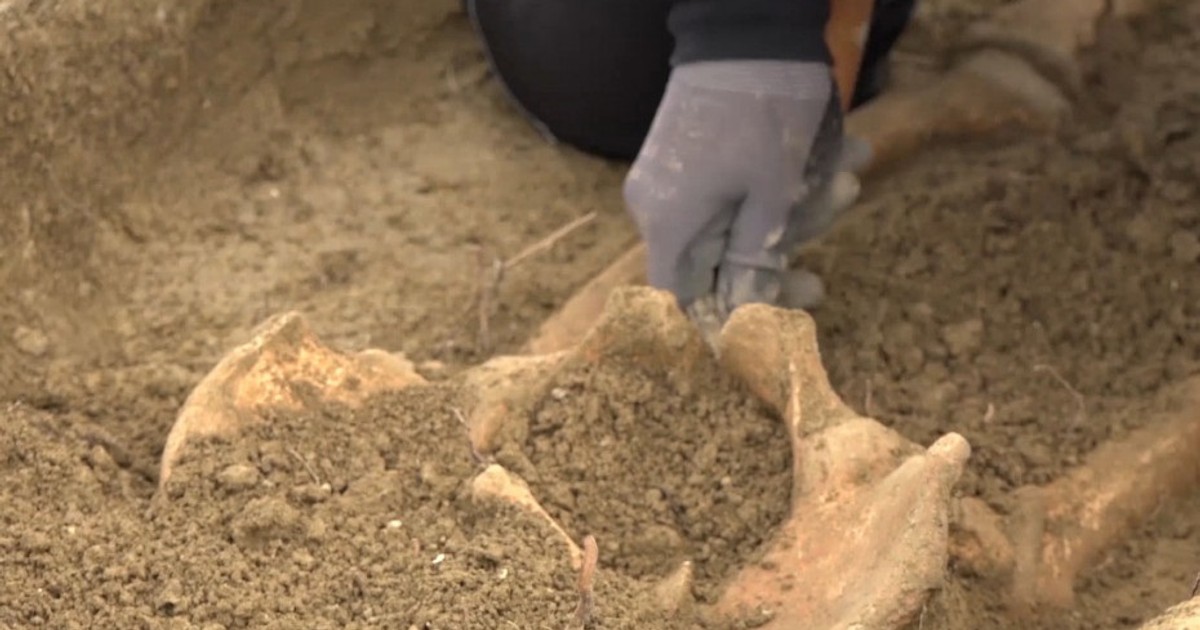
(172, 175)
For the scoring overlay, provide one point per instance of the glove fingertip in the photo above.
(856, 154)
(844, 191)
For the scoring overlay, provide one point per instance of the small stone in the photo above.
(310, 493)
(977, 541)
(303, 559)
(328, 200)
(1035, 452)
(901, 334)
(101, 460)
(1095, 142)
(558, 393)
(1146, 234)
(1185, 247)
(431, 368)
(673, 594)
(36, 542)
(1176, 192)
(171, 600)
(395, 524)
(963, 338)
(912, 359)
(915, 263)
(940, 395)
(922, 311)
(238, 477)
(31, 341)
(265, 520)
(317, 530)
(93, 381)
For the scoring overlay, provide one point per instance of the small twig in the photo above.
(917, 59)
(462, 419)
(990, 414)
(491, 274)
(307, 467)
(549, 240)
(1080, 402)
(869, 398)
(587, 578)
(1196, 586)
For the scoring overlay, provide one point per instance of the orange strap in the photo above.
(846, 35)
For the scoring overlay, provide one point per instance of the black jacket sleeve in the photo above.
(707, 30)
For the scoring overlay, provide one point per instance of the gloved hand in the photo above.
(745, 161)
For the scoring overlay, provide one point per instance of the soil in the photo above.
(1035, 297)
(335, 520)
(1052, 280)
(711, 468)
(170, 176)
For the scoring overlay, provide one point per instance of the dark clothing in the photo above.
(712, 30)
(591, 73)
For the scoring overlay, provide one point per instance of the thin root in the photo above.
(587, 578)
(549, 240)
(491, 273)
(869, 397)
(479, 458)
(307, 467)
(1196, 586)
(1080, 402)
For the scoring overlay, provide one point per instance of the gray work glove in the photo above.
(745, 161)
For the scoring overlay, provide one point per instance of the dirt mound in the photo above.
(659, 475)
(341, 519)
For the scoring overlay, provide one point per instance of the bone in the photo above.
(673, 593)
(496, 483)
(264, 373)
(1184, 616)
(867, 538)
(1094, 507)
(498, 393)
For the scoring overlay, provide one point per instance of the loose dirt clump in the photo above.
(339, 519)
(660, 475)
